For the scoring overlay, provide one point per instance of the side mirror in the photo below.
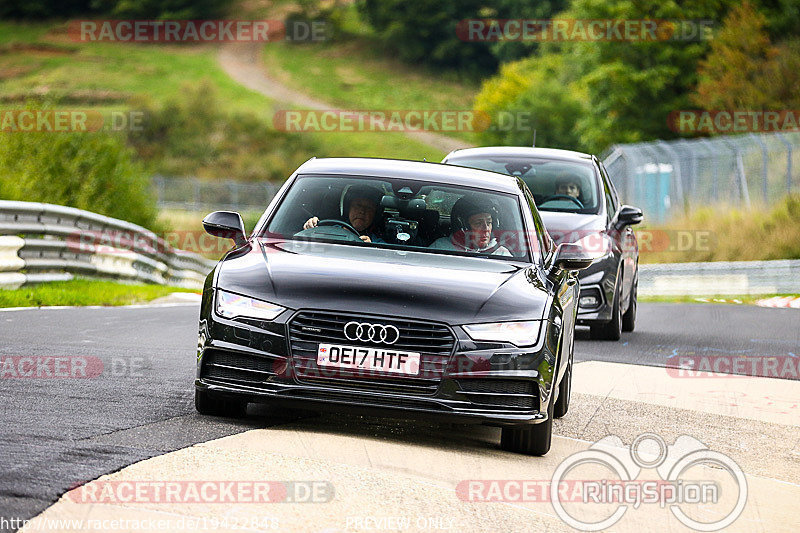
(572, 257)
(628, 215)
(226, 224)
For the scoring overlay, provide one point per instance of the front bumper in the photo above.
(488, 383)
(599, 280)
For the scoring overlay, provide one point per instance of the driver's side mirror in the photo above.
(227, 225)
(628, 215)
(572, 257)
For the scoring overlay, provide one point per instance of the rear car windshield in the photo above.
(557, 185)
(416, 215)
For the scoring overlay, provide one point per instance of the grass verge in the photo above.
(726, 234)
(83, 292)
(715, 299)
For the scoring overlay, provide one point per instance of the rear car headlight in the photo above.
(519, 334)
(231, 305)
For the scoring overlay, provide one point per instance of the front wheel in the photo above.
(534, 439)
(206, 404)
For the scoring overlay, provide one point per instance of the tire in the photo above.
(564, 392)
(533, 439)
(611, 330)
(629, 318)
(206, 404)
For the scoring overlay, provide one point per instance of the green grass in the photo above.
(726, 234)
(114, 76)
(83, 292)
(714, 299)
(352, 73)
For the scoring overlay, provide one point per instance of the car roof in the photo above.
(519, 151)
(400, 168)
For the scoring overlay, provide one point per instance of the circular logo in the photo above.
(361, 331)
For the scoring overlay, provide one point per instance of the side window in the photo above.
(544, 242)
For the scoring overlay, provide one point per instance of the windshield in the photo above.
(401, 214)
(557, 185)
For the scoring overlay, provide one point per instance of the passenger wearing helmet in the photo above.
(472, 223)
(361, 207)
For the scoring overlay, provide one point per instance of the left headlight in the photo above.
(519, 334)
(231, 305)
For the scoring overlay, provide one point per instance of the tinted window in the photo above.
(400, 213)
(554, 183)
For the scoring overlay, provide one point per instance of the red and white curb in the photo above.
(780, 301)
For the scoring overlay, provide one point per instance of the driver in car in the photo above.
(568, 186)
(472, 223)
(361, 205)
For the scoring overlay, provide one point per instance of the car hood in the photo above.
(451, 289)
(571, 227)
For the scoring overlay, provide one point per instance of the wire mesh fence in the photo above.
(671, 178)
(664, 178)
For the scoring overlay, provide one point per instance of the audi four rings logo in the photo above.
(357, 331)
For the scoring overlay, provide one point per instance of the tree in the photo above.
(532, 94)
(745, 71)
(733, 76)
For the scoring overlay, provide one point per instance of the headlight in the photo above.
(231, 305)
(517, 333)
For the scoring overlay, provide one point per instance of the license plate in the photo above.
(362, 358)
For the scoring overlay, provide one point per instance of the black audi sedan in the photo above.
(391, 287)
(578, 203)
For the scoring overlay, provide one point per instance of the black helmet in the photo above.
(469, 205)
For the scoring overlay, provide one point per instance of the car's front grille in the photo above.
(434, 343)
(499, 393)
(231, 366)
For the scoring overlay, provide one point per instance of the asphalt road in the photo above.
(59, 432)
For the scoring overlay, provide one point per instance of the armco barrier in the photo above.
(45, 242)
(720, 278)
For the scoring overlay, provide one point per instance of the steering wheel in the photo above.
(563, 197)
(341, 223)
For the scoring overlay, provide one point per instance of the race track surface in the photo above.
(136, 404)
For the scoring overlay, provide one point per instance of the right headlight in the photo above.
(231, 305)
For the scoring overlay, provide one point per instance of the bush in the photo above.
(91, 171)
(196, 136)
(534, 93)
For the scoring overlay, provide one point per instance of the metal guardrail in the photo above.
(46, 242)
(720, 278)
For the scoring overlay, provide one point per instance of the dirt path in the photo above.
(242, 62)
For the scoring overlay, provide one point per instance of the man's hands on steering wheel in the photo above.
(563, 197)
(313, 222)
